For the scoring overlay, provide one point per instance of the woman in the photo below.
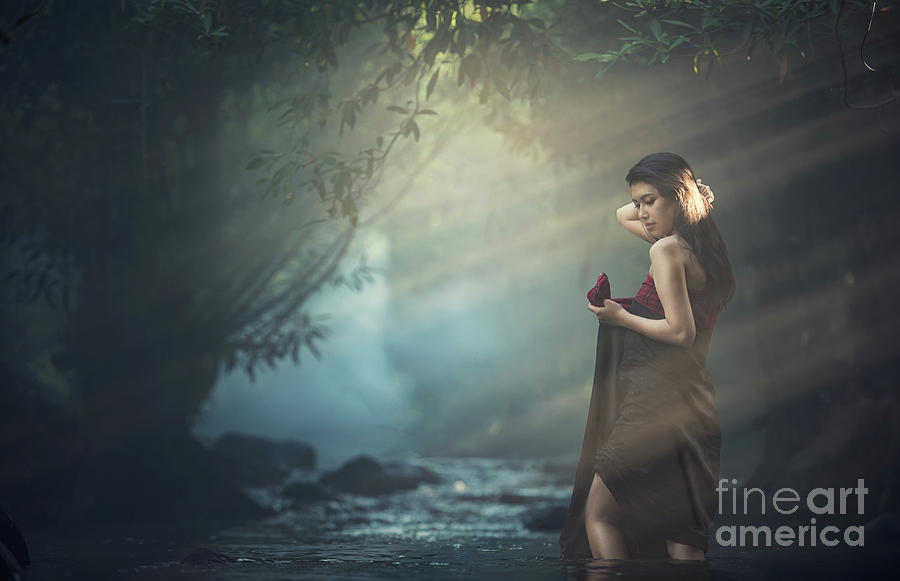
(645, 485)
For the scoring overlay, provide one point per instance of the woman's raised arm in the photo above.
(627, 217)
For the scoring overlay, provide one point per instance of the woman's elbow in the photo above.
(682, 336)
(686, 337)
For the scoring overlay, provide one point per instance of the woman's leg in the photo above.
(600, 514)
(684, 552)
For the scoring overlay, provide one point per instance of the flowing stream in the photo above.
(472, 525)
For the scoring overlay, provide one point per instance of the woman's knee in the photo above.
(684, 552)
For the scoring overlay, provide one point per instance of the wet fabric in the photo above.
(653, 436)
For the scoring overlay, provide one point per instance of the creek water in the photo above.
(472, 525)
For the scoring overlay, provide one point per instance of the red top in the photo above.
(704, 317)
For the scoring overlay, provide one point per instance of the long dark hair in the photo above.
(671, 175)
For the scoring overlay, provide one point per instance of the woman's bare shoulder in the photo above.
(666, 247)
(669, 250)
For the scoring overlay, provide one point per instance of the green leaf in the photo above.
(626, 26)
(655, 28)
(256, 163)
(426, 112)
(397, 109)
(207, 21)
(707, 21)
(680, 23)
(288, 112)
(283, 170)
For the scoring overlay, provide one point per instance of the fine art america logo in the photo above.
(821, 503)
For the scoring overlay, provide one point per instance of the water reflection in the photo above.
(639, 569)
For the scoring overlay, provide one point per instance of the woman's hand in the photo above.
(610, 313)
(705, 191)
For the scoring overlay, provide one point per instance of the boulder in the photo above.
(365, 476)
(307, 492)
(156, 477)
(412, 472)
(548, 519)
(264, 461)
(511, 498)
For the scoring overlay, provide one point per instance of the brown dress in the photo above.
(652, 435)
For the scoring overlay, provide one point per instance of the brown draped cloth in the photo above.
(653, 436)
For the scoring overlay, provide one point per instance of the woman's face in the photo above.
(655, 211)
